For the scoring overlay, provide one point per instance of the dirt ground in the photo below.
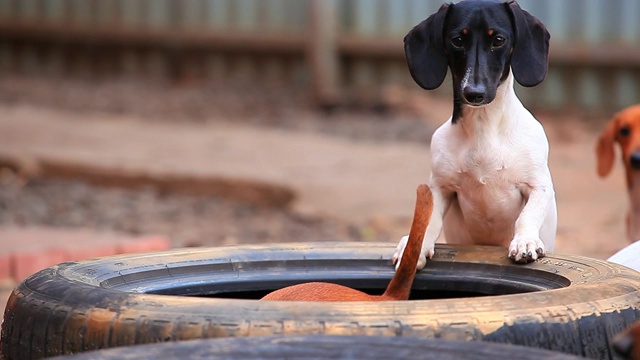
(591, 210)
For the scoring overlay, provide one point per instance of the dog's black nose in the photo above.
(635, 160)
(474, 95)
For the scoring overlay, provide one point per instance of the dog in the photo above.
(627, 343)
(400, 285)
(490, 177)
(624, 129)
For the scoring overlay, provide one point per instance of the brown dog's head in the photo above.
(623, 128)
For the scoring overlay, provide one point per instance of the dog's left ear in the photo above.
(424, 50)
(531, 50)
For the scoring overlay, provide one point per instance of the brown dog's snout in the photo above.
(623, 345)
(626, 343)
(634, 160)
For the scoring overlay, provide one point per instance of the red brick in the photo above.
(5, 266)
(99, 250)
(26, 251)
(144, 244)
(28, 263)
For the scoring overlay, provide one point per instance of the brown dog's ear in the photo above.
(531, 50)
(604, 148)
(424, 50)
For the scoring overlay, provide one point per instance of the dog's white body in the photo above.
(491, 181)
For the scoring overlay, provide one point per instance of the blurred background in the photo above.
(218, 122)
(343, 50)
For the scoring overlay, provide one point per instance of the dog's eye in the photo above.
(624, 131)
(498, 41)
(457, 41)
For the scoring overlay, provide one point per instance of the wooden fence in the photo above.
(341, 49)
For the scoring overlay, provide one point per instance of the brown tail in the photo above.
(400, 285)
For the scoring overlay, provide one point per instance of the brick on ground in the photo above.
(24, 251)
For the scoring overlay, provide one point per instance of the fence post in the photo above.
(323, 56)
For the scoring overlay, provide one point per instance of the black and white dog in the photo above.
(490, 176)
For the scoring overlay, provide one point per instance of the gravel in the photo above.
(187, 220)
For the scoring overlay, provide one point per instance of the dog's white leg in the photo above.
(527, 244)
(440, 205)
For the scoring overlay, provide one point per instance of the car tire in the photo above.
(564, 303)
(323, 347)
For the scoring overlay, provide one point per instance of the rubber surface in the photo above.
(323, 347)
(564, 303)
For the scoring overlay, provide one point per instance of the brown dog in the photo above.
(624, 129)
(400, 285)
(627, 343)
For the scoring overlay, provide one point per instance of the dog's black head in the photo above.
(480, 40)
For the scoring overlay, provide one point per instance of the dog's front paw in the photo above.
(397, 255)
(422, 260)
(523, 249)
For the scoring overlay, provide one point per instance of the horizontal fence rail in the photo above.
(337, 47)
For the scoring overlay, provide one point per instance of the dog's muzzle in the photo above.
(634, 160)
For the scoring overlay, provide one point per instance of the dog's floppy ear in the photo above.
(605, 152)
(531, 50)
(424, 49)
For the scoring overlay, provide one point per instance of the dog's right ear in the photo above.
(424, 50)
(605, 152)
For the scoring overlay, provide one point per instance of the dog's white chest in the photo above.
(487, 181)
(490, 166)
(484, 165)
